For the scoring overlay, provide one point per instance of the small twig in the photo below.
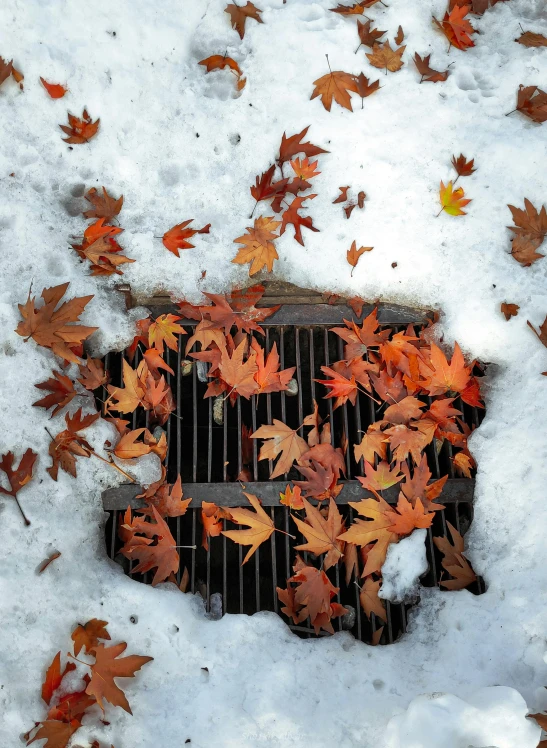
(112, 464)
(439, 213)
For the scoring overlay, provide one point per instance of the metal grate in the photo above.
(209, 457)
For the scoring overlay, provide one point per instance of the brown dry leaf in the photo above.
(407, 516)
(531, 39)
(405, 442)
(509, 310)
(93, 374)
(293, 145)
(177, 236)
(427, 73)
(532, 102)
(400, 37)
(364, 89)
(335, 85)
(463, 167)
(373, 443)
(456, 27)
(463, 464)
(374, 529)
(454, 562)
(260, 526)
(239, 376)
(292, 216)
(382, 56)
(370, 602)
(106, 667)
(524, 249)
(322, 534)
(219, 62)
(167, 500)
(80, 130)
(6, 69)
(126, 399)
(69, 444)
(87, 636)
(292, 497)
(239, 15)
(47, 561)
(280, 440)
(162, 555)
(529, 222)
(129, 448)
(19, 476)
(353, 254)
(368, 36)
(53, 328)
(259, 249)
(61, 389)
(381, 477)
(268, 377)
(104, 206)
(57, 734)
(542, 334)
(211, 519)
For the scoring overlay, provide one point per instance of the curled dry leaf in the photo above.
(353, 254)
(80, 130)
(219, 62)
(47, 561)
(54, 676)
(454, 562)
(55, 90)
(239, 15)
(335, 85)
(400, 36)
(509, 310)
(428, 74)
(382, 56)
(452, 200)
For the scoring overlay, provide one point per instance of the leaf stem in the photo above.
(25, 518)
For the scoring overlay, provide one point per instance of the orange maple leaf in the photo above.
(280, 439)
(456, 27)
(260, 526)
(239, 15)
(55, 90)
(163, 330)
(268, 377)
(335, 85)
(322, 534)
(80, 130)
(239, 376)
(443, 377)
(353, 254)
(452, 201)
(175, 238)
(259, 249)
(106, 667)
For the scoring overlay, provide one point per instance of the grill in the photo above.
(210, 456)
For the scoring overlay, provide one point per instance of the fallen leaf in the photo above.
(239, 376)
(47, 561)
(313, 593)
(335, 85)
(292, 498)
(106, 667)
(452, 200)
(268, 377)
(381, 477)
(61, 390)
(531, 39)
(19, 476)
(382, 56)
(407, 516)
(454, 562)
(354, 10)
(211, 519)
(293, 145)
(54, 676)
(373, 443)
(456, 27)
(87, 636)
(279, 439)
(340, 387)
(57, 734)
(104, 206)
(128, 448)
(80, 130)
(176, 238)
(322, 534)
(373, 529)
(370, 602)
(463, 464)
(260, 526)
(524, 249)
(509, 310)
(126, 399)
(53, 328)
(219, 62)
(399, 38)
(162, 555)
(542, 334)
(353, 254)
(6, 69)
(529, 222)
(356, 303)
(259, 249)
(427, 73)
(239, 15)
(167, 500)
(163, 330)
(368, 36)
(463, 167)
(55, 90)
(364, 89)
(444, 377)
(532, 102)
(292, 216)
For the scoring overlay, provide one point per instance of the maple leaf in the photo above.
(259, 249)
(405, 442)
(463, 464)
(407, 516)
(239, 15)
(370, 602)
(155, 362)
(404, 411)
(532, 102)
(364, 89)
(19, 476)
(287, 598)
(126, 399)
(87, 636)
(163, 330)
(61, 391)
(291, 216)
(454, 562)
(219, 62)
(6, 69)
(321, 480)
(314, 592)
(368, 36)
(238, 375)
(372, 443)
(268, 377)
(260, 526)
(69, 444)
(175, 238)
(353, 254)
(279, 439)
(55, 90)
(528, 222)
(53, 328)
(418, 487)
(523, 249)
(382, 56)
(542, 334)
(463, 167)
(163, 555)
(452, 201)
(531, 39)
(291, 146)
(54, 676)
(341, 388)
(321, 534)
(128, 448)
(380, 478)
(80, 130)
(57, 734)
(456, 27)
(211, 519)
(445, 377)
(264, 189)
(335, 85)
(373, 529)
(359, 339)
(304, 168)
(93, 374)
(509, 310)
(400, 36)
(206, 332)
(72, 705)
(104, 206)
(292, 497)
(356, 9)
(428, 73)
(107, 666)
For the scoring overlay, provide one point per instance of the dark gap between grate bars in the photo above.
(209, 458)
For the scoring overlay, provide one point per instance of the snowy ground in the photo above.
(169, 142)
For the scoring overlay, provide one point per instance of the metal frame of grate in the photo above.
(209, 457)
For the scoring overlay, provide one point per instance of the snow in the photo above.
(404, 565)
(264, 686)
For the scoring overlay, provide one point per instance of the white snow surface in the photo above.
(264, 686)
(405, 563)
